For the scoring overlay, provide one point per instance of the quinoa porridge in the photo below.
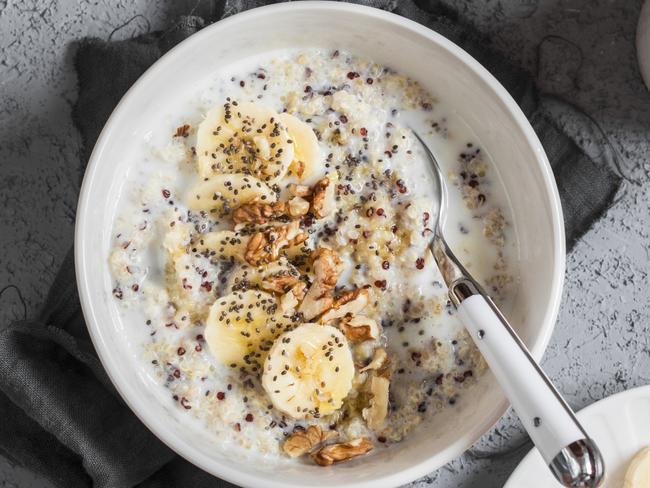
(277, 247)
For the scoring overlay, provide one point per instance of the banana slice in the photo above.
(242, 137)
(241, 328)
(309, 371)
(245, 276)
(224, 245)
(638, 472)
(306, 165)
(226, 191)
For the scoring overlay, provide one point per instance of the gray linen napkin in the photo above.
(61, 416)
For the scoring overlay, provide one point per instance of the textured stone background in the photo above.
(582, 50)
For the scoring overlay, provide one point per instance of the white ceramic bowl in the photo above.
(450, 74)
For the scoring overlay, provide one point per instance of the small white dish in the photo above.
(162, 93)
(620, 425)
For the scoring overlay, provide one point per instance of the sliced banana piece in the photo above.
(225, 191)
(638, 472)
(243, 137)
(224, 245)
(245, 276)
(307, 165)
(241, 328)
(309, 371)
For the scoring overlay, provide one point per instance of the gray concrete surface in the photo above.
(582, 50)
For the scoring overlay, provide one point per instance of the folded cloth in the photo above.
(61, 416)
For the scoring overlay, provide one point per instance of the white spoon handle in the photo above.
(568, 451)
(548, 421)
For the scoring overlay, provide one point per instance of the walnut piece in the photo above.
(258, 212)
(378, 362)
(257, 249)
(326, 264)
(358, 295)
(351, 302)
(303, 441)
(299, 168)
(336, 453)
(182, 131)
(280, 282)
(264, 247)
(298, 207)
(375, 413)
(290, 300)
(360, 328)
(300, 190)
(323, 201)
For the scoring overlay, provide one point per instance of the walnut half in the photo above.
(360, 328)
(319, 298)
(375, 413)
(350, 302)
(290, 300)
(379, 362)
(264, 247)
(279, 283)
(303, 441)
(298, 207)
(323, 202)
(300, 190)
(336, 453)
(258, 212)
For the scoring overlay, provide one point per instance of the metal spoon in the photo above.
(570, 453)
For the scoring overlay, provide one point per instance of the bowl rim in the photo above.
(130, 395)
